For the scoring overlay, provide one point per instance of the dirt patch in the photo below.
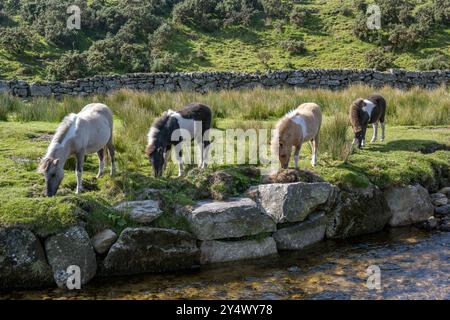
(434, 147)
(293, 175)
(40, 137)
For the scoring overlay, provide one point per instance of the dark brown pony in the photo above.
(363, 111)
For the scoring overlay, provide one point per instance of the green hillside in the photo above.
(232, 35)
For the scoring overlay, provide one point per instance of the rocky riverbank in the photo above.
(267, 219)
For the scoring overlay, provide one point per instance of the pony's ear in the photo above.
(43, 166)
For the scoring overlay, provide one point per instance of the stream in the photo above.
(414, 264)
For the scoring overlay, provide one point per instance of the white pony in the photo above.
(87, 132)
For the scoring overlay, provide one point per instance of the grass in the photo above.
(416, 119)
(327, 35)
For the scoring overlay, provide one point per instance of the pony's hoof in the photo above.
(373, 140)
(382, 140)
(99, 175)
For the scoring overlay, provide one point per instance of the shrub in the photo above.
(346, 11)
(298, 17)
(395, 12)
(239, 12)
(276, 8)
(71, 65)
(160, 37)
(200, 13)
(133, 58)
(362, 32)
(401, 37)
(360, 5)
(293, 46)
(264, 57)
(15, 40)
(163, 61)
(436, 61)
(378, 59)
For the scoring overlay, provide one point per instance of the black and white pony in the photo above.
(363, 111)
(174, 127)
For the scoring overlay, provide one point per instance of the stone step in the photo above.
(144, 211)
(214, 251)
(239, 217)
(293, 202)
(146, 249)
(302, 234)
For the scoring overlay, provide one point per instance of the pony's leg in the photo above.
(199, 141)
(315, 148)
(179, 155)
(101, 163)
(79, 171)
(206, 145)
(296, 156)
(166, 158)
(363, 137)
(112, 154)
(375, 132)
(382, 131)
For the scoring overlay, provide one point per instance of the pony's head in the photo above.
(157, 144)
(281, 142)
(155, 155)
(355, 119)
(53, 174)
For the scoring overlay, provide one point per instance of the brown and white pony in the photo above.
(295, 128)
(89, 131)
(363, 111)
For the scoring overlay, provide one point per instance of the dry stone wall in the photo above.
(211, 81)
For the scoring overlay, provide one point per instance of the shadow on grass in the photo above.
(414, 145)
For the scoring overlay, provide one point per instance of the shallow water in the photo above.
(414, 265)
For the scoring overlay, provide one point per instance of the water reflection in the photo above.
(414, 265)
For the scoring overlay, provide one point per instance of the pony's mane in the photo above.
(59, 136)
(63, 128)
(156, 127)
(355, 109)
(280, 127)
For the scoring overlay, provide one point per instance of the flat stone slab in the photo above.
(71, 248)
(239, 217)
(22, 260)
(214, 251)
(146, 249)
(293, 202)
(303, 234)
(103, 240)
(408, 205)
(144, 211)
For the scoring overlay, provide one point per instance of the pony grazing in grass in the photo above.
(298, 126)
(87, 132)
(362, 111)
(193, 121)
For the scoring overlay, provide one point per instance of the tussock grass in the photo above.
(334, 139)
